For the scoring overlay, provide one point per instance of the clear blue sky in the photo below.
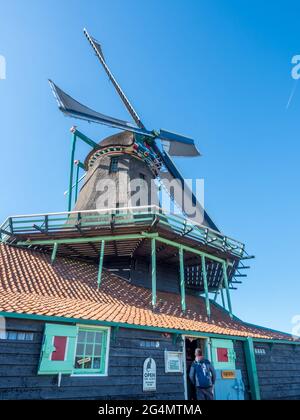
(215, 70)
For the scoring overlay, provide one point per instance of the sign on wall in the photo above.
(173, 361)
(149, 375)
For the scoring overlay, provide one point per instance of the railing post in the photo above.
(153, 269)
(227, 288)
(11, 225)
(102, 246)
(182, 282)
(72, 170)
(207, 303)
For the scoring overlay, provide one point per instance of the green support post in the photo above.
(227, 288)
(223, 299)
(77, 178)
(182, 283)
(84, 138)
(153, 267)
(207, 303)
(101, 263)
(72, 171)
(252, 369)
(54, 252)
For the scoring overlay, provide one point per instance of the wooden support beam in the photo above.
(74, 138)
(39, 228)
(204, 273)
(225, 278)
(11, 225)
(182, 282)
(223, 299)
(54, 252)
(77, 180)
(6, 232)
(153, 268)
(101, 263)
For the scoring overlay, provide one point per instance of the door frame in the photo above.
(207, 344)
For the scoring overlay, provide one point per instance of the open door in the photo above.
(191, 343)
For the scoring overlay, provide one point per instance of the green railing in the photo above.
(27, 225)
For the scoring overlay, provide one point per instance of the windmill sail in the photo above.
(98, 50)
(173, 144)
(188, 199)
(178, 145)
(71, 107)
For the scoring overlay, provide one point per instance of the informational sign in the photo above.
(228, 374)
(149, 375)
(173, 361)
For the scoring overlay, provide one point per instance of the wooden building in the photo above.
(111, 305)
(110, 301)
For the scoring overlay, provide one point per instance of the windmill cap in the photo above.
(125, 138)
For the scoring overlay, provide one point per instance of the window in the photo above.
(17, 336)
(90, 351)
(74, 349)
(149, 344)
(113, 165)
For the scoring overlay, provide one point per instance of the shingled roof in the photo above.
(29, 284)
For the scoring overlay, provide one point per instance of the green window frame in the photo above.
(90, 356)
(114, 162)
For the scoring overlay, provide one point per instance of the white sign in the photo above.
(173, 361)
(149, 375)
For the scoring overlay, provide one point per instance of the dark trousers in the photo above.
(204, 393)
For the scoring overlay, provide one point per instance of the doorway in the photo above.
(191, 344)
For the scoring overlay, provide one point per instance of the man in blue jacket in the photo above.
(203, 376)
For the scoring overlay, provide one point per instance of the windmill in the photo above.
(173, 144)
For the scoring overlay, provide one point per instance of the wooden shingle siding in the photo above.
(19, 364)
(241, 364)
(279, 371)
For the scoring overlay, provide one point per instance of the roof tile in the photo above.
(30, 284)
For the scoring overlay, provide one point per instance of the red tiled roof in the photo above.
(29, 284)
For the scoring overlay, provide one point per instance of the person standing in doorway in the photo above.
(203, 376)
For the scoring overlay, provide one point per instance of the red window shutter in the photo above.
(222, 354)
(60, 344)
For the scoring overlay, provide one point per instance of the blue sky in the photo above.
(218, 71)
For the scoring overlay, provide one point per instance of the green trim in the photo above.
(76, 182)
(252, 369)
(54, 252)
(189, 249)
(87, 140)
(47, 366)
(135, 326)
(223, 299)
(227, 287)
(90, 239)
(102, 247)
(83, 355)
(72, 171)
(153, 270)
(182, 282)
(207, 303)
